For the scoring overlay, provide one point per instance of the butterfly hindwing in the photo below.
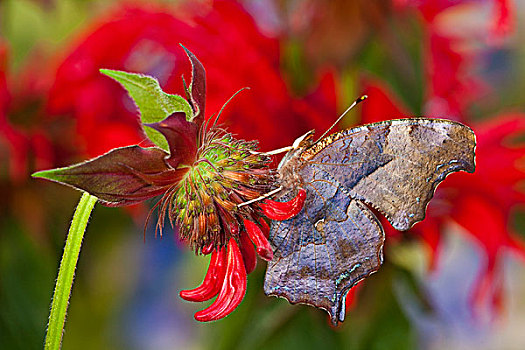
(336, 240)
(328, 247)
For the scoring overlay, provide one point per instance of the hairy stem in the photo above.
(66, 272)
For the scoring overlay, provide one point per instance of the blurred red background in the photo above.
(452, 281)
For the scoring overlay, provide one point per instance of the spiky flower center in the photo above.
(225, 174)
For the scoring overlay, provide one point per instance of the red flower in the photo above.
(4, 93)
(450, 56)
(481, 203)
(22, 143)
(207, 181)
(13, 143)
(226, 274)
(146, 40)
(502, 19)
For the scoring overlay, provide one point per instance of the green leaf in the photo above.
(154, 104)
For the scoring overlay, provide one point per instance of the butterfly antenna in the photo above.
(224, 105)
(355, 103)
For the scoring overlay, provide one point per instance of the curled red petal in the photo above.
(207, 249)
(234, 229)
(248, 252)
(212, 281)
(284, 210)
(503, 18)
(232, 290)
(265, 228)
(258, 238)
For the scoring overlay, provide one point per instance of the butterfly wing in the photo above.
(395, 166)
(324, 250)
(335, 240)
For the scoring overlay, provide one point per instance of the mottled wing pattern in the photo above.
(396, 165)
(336, 240)
(324, 250)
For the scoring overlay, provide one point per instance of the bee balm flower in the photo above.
(202, 174)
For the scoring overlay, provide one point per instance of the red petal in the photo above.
(212, 281)
(232, 290)
(351, 296)
(258, 238)
(207, 249)
(487, 222)
(284, 210)
(504, 19)
(234, 229)
(265, 228)
(248, 252)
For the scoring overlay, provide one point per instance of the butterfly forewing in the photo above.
(396, 165)
(336, 240)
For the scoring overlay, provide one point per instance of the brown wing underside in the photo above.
(396, 165)
(335, 240)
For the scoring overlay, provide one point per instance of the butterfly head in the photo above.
(303, 141)
(288, 176)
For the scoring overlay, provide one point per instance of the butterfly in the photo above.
(336, 240)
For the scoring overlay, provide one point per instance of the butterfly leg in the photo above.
(264, 196)
(274, 152)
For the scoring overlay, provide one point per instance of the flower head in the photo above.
(202, 173)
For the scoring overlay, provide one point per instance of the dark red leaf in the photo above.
(120, 177)
(181, 136)
(198, 87)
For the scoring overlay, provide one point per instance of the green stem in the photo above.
(66, 272)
